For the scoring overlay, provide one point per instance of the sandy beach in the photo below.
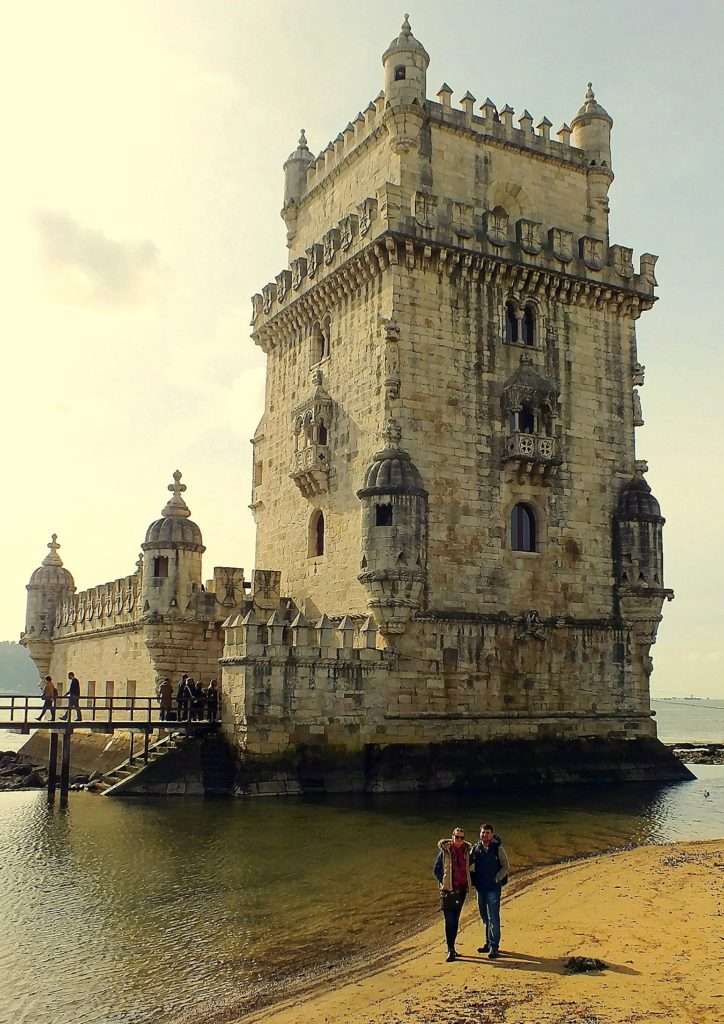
(654, 915)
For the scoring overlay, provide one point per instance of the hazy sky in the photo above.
(141, 189)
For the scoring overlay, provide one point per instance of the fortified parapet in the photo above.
(288, 681)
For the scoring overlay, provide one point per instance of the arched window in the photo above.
(522, 528)
(160, 567)
(318, 344)
(511, 322)
(326, 337)
(400, 74)
(383, 515)
(316, 534)
(529, 324)
(321, 433)
(526, 421)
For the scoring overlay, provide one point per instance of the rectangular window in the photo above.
(109, 687)
(258, 473)
(131, 688)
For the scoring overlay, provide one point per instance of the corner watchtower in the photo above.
(405, 62)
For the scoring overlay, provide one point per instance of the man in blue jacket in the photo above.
(489, 868)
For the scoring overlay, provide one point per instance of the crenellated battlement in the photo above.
(253, 637)
(104, 607)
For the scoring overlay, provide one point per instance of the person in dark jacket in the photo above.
(489, 868)
(182, 698)
(452, 870)
(212, 700)
(73, 696)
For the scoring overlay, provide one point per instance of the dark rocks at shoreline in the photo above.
(16, 773)
(698, 753)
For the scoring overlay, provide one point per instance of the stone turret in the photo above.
(394, 536)
(172, 559)
(295, 183)
(49, 585)
(591, 132)
(638, 546)
(405, 62)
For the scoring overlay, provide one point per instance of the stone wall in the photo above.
(353, 378)
(451, 680)
(116, 655)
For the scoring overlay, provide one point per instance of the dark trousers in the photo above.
(48, 705)
(73, 705)
(452, 908)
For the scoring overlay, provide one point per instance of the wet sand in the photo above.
(654, 914)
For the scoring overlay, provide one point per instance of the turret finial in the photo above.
(406, 30)
(302, 140)
(139, 563)
(53, 558)
(176, 506)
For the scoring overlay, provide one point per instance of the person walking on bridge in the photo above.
(73, 696)
(489, 867)
(50, 695)
(165, 698)
(182, 698)
(452, 870)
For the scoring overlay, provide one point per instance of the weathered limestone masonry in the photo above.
(120, 637)
(445, 473)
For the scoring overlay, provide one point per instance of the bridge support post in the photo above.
(52, 764)
(145, 746)
(130, 747)
(65, 766)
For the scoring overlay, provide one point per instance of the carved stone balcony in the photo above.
(310, 469)
(532, 456)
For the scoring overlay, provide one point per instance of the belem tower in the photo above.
(465, 569)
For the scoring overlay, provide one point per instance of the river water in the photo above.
(131, 912)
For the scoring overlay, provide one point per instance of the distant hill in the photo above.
(18, 673)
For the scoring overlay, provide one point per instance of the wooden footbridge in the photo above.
(138, 716)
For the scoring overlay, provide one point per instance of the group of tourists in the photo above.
(50, 698)
(190, 701)
(461, 866)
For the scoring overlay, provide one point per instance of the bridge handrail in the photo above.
(137, 710)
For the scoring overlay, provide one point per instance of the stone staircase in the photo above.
(114, 782)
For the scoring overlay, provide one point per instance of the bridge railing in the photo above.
(24, 710)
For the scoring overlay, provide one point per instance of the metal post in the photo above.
(52, 765)
(145, 746)
(130, 747)
(65, 765)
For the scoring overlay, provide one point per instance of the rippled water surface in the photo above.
(121, 911)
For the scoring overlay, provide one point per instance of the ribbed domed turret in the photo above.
(51, 572)
(637, 502)
(591, 108)
(392, 472)
(405, 42)
(175, 527)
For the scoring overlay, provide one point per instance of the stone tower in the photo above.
(448, 441)
(50, 585)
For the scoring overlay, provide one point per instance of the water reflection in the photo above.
(138, 911)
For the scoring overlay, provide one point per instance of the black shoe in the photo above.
(484, 949)
(451, 955)
(493, 954)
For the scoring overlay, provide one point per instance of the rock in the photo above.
(584, 964)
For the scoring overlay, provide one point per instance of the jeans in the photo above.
(489, 906)
(452, 920)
